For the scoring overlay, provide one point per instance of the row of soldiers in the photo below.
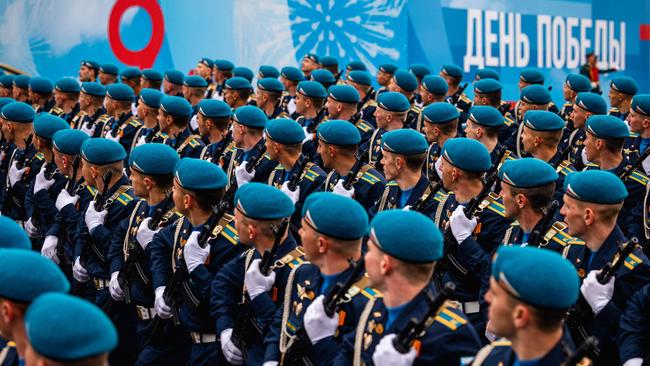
(310, 219)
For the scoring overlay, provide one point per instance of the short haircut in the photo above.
(538, 197)
(178, 121)
(493, 99)
(206, 198)
(448, 128)
(415, 272)
(414, 162)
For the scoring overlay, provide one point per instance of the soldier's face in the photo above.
(522, 84)
(20, 94)
(567, 93)
(87, 173)
(574, 216)
(375, 262)
(500, 310)
(203, 71)
(5, 92)
(178, 196)
(615, 97)
(84, 73)
(323, 150)
(7, 131)
(528, 139)
(471, 130)
(390, 164)
(310, 242)
(579, 116)
(301, 103)
(383, 78)
(509, 201)
(637, 121)
(591, 149)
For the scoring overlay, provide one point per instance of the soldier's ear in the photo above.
(588, 216)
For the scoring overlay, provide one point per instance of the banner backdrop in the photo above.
(50, 37)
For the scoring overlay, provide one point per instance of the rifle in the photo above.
(70, 185)
(423, 202)
(587, 349)
(22, 159)
(295, 177)
(50, 169)
(224, 145)
(317, 120)
(350, 179)
(255, 161)
(416, 328)
(546, 221)
(631, 168)
(456, 96)
(369, 93)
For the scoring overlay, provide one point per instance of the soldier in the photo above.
(267, 71)
(148, 106)
(123, 125)
(420, 71)
(309, 63)
(248, 136)
(222, 71)
(194, 89)
(331, 64)
(633, 333)
(621, 91)
(528, 77)
(441, 124)
(573, 84)
(384, 74)
(310, 105)
(108, 74)
(587, 104)
(214, 123)
(324, 77)
(532, 98)
(66, 97)
(487, 92)
(342, 101)
(290, 77)
(20, 88)
(88, 71)
(92, 116)
(639, 122)
(203, 69)
(355, 65)
(269, 98)
(173, 83)
(132, 78)
(405, 83)
(482, 74)
(173, 119)
(453, 75)
(390, 115)
(6, 86)
(40, 93)
(433, 90)
(362, 82)
(483, 125)
(151, 79)
(244, 72)
(236, 92)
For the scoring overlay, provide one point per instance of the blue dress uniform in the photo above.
(455, 71)
(126, 125)
(315, 91)
(594, 104)
(71, 86)
(150, 98)
(532, 94)
(186, 144)
(635, 145)
(579, 84)
(624, 85)
(93, 124)
(634, 332)
(43, 87)
(438, 114)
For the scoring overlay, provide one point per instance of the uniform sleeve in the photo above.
(45, 204)
(159, 252)
(345, 354)
(634, 331)
(115, 249)
(226, 292)
(272, 339)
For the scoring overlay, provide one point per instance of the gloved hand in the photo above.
(41, 183)
(256, 283)
(141, 140)
(232, 354)
(317, 324)
(193, 254)
(163, 310)
(79, 272)
(109, 135)
(114, 287)
(294, 195)
(64, 198)
(596, 294)
(407, 208)
(242, 176)
(88, 129)
(308, 135)
(583, 155)
(49, 248)
(32, 231)
(144, 236)
(270, 363)
(386, 354)
(94, 218)
(15, 174)
(341, 191)
(634, 362)
(438, 166)
(461, 226)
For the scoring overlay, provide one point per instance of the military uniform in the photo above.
(633, 339)
(368, 185)
(94, 124)
(14, 202)
(124, 127)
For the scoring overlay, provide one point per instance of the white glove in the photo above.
(596, 294)
(646, 166)
(232, 354)
(141, 141)
(41, 183)
(341, 191)
(275, 363)
(461, 226)
(64, 198)
(308, 135)
(583, 155)
(242, 176)
(438, 165)
(317, 324)
(49, 248)
(386, 354)
(15, 174)
(85, 127)
(163, 310)
(256, 283)
(144, 236)
(294, 195)
(94, 218)
(109, 135)
(32, 231)
(193, 254)
(79, 272)
(634, 362)
(407, 208)
(114, 287)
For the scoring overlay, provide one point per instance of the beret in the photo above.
(21, 81)
(109, 69)
(18, 112)
(527, 173)
(151, 74)
(69, 141)
(312, 56)
(356, 65)
(328, 61)
(595, 186)
(93, 89)
(268, 71)
(393, 102)
(487, 86)
(292, 73)
(539, 277)
(607, 127)
(101, 151)
(176, 106)
(434, 84)
(420, 70)
(543, 121)
(335, 216)
(404, 141)
(224, 65)
(90, 63)
(212, 108)
(46, 125)
(388, 68)
(7, 81)
(344, 94)
(270, 84)
(238, 83)
(130, 73)
(360, 77)
(243, 72)
(21, 285)
(591, 102)
(151, 97)
(323, 76)
(482, 74)
(13, 235)
(467, 154)
(485, 115)
(452, 70)
(312, 89)
(338, 132)
(153, 159)
(641, 104)
(5, 100)
(67, 85)
(197, 174)
(53, 335)
(532, 76)
(578, 82)
(206, 61)
(407, 235)
(284, 131)
(405, 80)
(440, 112)
(175, 77)
(535, 94)
(195, 81)
(625, 85)
(260, 201)
(251, 116)
(41, 85)
(121, 92)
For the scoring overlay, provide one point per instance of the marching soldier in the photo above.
(354, 65)
(639, 122)
(528, 77)
(420, 71)
(221, 72)
(621, 91)
(483, 125)
(482, 74)
(487, 92)
(237, 91)
(20, 88)
(40, 93)
(173, 119)
(405, 83)
(173, 83)
(204, 71)
(390, 115)
(131, 77)
(362, 82)
(148, 106)
(587, 104)
(267, 71)
(384, 74)
(441, 124)
(123, 125)
(310, 105)
(88, 71)
(290, 77)
(92, 116)
(330, 64)
(151, 79)
(244, 72)
(66, 97)
(309, 63)
(532, 98)
(453, 75)
(341, 104)
(108, 74)
(573, 84)
(194, 89)
(269, 98)
(433, 90)
(324, 77)
(214, 123)
(6, 86)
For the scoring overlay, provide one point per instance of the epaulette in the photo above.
(124, 198)
(614, 110)
(508, 121)
(449, 319)
(309, 173)
(501, 343)
(370, 178)
(103, 118)
(415, 109)
(492, 203)
(370, 103)
(193, 142)
(91, 189)
(440, 196)
(392, 183)
(568, 104)
(363, 126)
(632, 261)
(564, 168)
(633, 134)
(464, 98)
(558, 234)
(639, 177)
(135, 122)
(56, 111)
(39, 156)
(279, 167)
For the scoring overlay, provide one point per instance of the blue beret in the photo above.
(69, 141)
(251, 116)
(7, 81)
(197, 174)
(41, 85)
(388, 68)
(487, 86)
(90, 63)
(175, 77)
(323, 76)
(452, 70)
(578, 83)
(284, 131)
(238, 83)
(328, 61)
(434, 84)
(151, 74)
(195, 81)
(344, 94)
(312, 89)
(2, 72)
(539, 277)
(292, 73)
(260, 201)
(404, 141)
(101, 151)
(486, 115)
(338, 132)
(467, 154)
(393, 102)
(243, 72)
(420, 70)
(130, 73)
(543, 121)
(595, 186)
(607, 127)
(151, 97)
(53, 335)
(531, 76)
(405, 80)
(641, 104)
(535, 94)
(268, 71)
(270, 84)
(153, 159)
(5, 100)
(356, 65)
(335, 216)
(206, 61)
(224, 65)
(21, 81)
(67, 85)
(121, 92)
(440, 112)
(27, 275)
(591, 102)
(360, 77)
(407, 235)
(312, 56)
(93, 89)
(18, 112)
(482, 74)
(527, 173)
(625, 85)
(13, 236)
(46, 125)
(109, 69)
(212, 108)
(176, 106)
